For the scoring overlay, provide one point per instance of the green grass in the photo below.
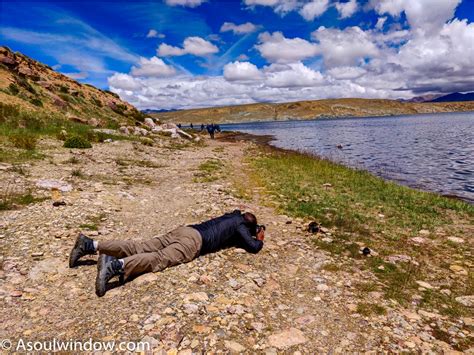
(369, 309)
(77, 142)
(77, 173)
(23, 140)
(93, 222)
(352, 207)
(209, 171)
(10, 200)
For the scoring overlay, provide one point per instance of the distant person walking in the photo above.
(191, 125)
(211, 129)
(129, 258)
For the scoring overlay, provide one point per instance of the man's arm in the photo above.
(249, 243)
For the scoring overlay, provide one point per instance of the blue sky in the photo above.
(100, 42)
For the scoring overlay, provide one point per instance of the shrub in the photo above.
(13, 89)
(77, 142)
(64, 89)
(97, 102)
(24, 83)
(23, 140)
(37, 102)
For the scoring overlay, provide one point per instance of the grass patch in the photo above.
(23, 140)
(93, 222)
(140, 163)
(10, 200)
(363, 210)
(15, 156)
(209, 171)
(73, 160)
(369, 309)
(77, 173)
(77, 142)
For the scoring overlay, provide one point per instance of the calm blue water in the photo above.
(431, 152)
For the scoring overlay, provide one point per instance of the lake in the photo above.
(432, 152)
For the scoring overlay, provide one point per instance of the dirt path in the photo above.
(290, 298)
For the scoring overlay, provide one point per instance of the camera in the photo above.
(260, 226)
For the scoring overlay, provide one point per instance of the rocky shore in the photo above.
(290, 298)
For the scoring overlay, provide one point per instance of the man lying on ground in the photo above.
(128, 259)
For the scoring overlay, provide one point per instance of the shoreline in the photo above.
(336, 118)
(265, 140)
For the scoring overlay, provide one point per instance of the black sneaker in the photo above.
(83, 246)
(107, 268)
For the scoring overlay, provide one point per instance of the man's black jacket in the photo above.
(226, 231)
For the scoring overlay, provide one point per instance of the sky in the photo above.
(178, 54)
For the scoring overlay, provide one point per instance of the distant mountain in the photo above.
(302, 110)
(423, 98)
(455, 97)
(149, 111)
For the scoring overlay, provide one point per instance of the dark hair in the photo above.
(250, 222)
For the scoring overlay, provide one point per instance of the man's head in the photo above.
(251, 223)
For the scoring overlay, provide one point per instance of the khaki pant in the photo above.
(176, 247)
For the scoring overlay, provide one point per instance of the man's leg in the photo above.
(124, 248)
(181, 246)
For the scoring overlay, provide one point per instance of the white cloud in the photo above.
(277, 48)
(344, 47)
(122, 81)
(247, 27)
(154, 34)
(191, 45)
(241, 71)
(347, 9)
(187, 3)
(346, 73)
(153, 67)
(375, 63)
(292, 75)
(380, 23)
(423, 15)
(314, 9)
(281, 7)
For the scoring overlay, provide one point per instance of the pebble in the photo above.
(234, 347)
(322, 287)
(287, 338)
(424, 285)
(458, 269)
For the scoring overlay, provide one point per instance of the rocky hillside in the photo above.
(310, 110)
(32, 85)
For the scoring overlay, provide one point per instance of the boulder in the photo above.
(169, 125)
(124, 130)
(54, 185)
(184, 134)
(467, 301)
(149, 122)
(138, 131)
(93, 122)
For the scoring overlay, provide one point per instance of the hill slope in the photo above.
(32, 85)
(309, 110)
(455, 97)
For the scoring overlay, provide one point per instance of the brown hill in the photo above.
(305, 110)
(32, 85)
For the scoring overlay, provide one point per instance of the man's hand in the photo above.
(260, 234)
